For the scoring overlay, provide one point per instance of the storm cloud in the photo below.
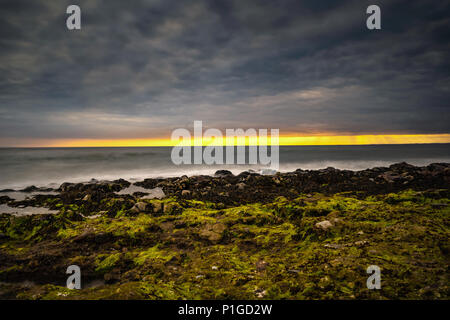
(142, 68)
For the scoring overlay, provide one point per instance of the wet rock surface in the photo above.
(298, 235)
(226, 188)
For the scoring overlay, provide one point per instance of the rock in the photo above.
(139, 207)
(324, 225)
(361, 243)
(260, 293)
(261, 265)
(212, 232)
(324, 282)
(66, 186)
(142, 206)
(215, 268)
(87, 197)
(337, 221)
(112, 276)
(30, 189)
(402, 166)
(333, 245)
(223, 173)
(155, 193)
(167, 226)
(185, 193)
(245, 175)
(87, 234)
(157, 207)
(241, 186)
(268, 172)
(390, 176)
(134, 210)
(438, 168)
(95, 216)
(170, 207)
(103, 237)
(4, 199)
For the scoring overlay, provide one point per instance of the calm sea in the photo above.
(52, 166)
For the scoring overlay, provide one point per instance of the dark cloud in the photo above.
(142, 68)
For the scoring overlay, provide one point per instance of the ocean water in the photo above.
(49, 167)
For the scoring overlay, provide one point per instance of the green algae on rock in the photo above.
(301, 245)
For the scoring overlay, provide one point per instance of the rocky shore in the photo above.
(307, 234)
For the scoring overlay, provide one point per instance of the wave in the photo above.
(51, 167)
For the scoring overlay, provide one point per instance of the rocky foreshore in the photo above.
(307, 234)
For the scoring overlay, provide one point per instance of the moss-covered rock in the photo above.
(191, 249)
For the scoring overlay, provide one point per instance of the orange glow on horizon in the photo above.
(283, 141)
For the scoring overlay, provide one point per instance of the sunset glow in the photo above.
(283, 140)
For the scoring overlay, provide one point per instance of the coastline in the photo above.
(50, 168)
(307, 234)
(259, 186)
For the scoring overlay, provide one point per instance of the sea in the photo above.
(50, 167)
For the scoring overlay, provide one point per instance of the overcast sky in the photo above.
(142, 68)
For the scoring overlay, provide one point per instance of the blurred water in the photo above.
(49, 167)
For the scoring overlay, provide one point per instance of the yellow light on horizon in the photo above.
(290, 140)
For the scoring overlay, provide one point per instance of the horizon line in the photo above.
(287, 140)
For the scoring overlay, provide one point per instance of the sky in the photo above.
(139, 69)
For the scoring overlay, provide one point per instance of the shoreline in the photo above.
(49, 169)
(261, 171)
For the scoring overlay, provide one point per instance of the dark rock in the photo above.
(241, 186)
(139, 194)
(113, 276)
(103, 237)
(223, 173)
(5, 199)
(246, 174)
(402, 166)
(390, 176)
(87, 234)
(30, 189)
